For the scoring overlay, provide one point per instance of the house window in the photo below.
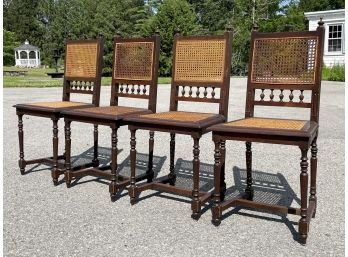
(335, 38)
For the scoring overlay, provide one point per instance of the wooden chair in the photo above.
(285, 62)
(201, 73)
(83, 69)
(134, 75)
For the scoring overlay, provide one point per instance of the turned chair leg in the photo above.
(114, 177)
(313, 188)
(21, 161)
(196, 204)
(133, 155)
(249, 190)
(216, 210)
(55, 172)
(149, 171)
(67, 173)
(303, 223)
(172, 175)
(222, 180)
(95, 160)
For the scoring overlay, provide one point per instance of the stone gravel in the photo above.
(43, 220)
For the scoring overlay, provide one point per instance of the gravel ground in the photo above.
(43, 220)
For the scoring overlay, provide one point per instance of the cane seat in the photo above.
(269, 127)
(107, 112)
(181, 119)
(55, 106)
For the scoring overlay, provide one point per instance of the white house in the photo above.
(334, 23)
(27, 56)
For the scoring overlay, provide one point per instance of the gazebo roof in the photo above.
(27, 46)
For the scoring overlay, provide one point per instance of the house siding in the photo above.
(334, 17)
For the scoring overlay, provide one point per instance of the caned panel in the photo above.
(59, 104)
(179, 116)
(134, 60)
(268, 123)
(81, 60)
(284, 60)
(199, 60)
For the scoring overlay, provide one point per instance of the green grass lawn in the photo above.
(39, 78)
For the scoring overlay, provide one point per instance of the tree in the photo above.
(20, 16)
(10, 43)
(171, 15)
(320, 5)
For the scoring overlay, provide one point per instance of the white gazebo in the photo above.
(27, 56)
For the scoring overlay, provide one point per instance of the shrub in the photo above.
(334, 73)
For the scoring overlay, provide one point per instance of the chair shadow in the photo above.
(124, 168)
(184, 179)
(268, 188)
(86, 157)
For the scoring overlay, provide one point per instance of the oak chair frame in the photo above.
(71, 85)
(118, 182)
(167, 183)
(304, 140)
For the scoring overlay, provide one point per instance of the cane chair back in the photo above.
(135, 69)
(83, 68)
(201, 70)
(285, 63)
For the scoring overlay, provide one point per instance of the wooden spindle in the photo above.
(205, 93)
(291, 96)
(301, 97)
(198, 92)
(213, 93)
(281, 96)
(183, 91)
(262, 95)
(127, 89)
(138, 90)
(190, 91)
(271, 96)
(144, 90)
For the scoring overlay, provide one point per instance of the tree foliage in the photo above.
(172, 16)
(10, 43)
(47, 23)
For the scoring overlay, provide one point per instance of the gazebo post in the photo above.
(19, 57)
(37, 58)
(28, 60)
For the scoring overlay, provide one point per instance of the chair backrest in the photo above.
(83, 68)
(201, 70)
(135, 69)
(285, 62)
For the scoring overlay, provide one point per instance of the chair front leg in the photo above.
(133, 156)
(67, 173)
(313, 188)
(248, 154)
(303, 223)
(222, 180)
(55, 172)
(114, 175)
(172, 175)
(21, 161)
(95, 160)
(216, 211)
(149, 171)
(196, 205)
